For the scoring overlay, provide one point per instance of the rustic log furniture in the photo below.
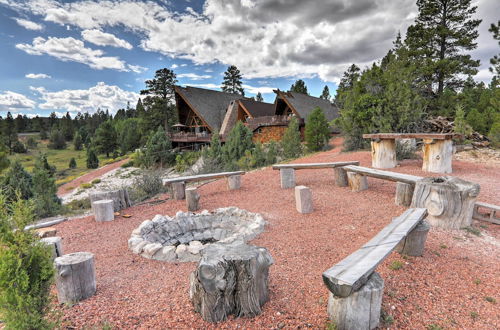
(492, 216)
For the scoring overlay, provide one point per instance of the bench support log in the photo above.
(192, 199)
(414, 243)
(179, 190)
(287, 176)
(340, 177)
(103, 210)
(437, 156)
(404, 194)
(120, 197)
(75, 277)
(234, 182)
(357, 182)
(384, 153)
(360, 310)
(56, 245)
(303, 199)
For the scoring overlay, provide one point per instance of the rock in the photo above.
(149, 250)
(195, 247)
(134, 241)
(137, 249)
(184, 255)
(145, 227)
(167, 253)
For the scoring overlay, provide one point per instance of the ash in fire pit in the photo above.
(181, 239)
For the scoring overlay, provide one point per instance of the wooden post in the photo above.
(340, 177)
(303, 199)
(361, 309)
(414, 243)
(404, 193)
(438, 156)
(287, 176)
(230, 279)
(75, 277)
(120, 197)
(192, 199)
(449, 201)
(357, 182)
(384, 153)
(55, 244)
(234, 182)
(179, 190)
(103, 210)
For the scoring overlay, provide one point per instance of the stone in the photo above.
(137, 249)
(145, 227)
(149, 250)
(357, 182)
(184, 255)
(287, 177)
(134, 241)
(167, 253)
(103, 210)
(303, 199)
(360, 310)
(75, 277)
(195, 247)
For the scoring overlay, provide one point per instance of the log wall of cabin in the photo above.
(267, 134)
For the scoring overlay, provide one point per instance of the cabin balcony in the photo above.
(189, 137)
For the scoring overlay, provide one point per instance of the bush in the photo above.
(78, 205)
(31, 143)
(72, 163)
(57, 140)
(238, 142)
(405, 151)
(19, 148)
(43, 134)
(92, 160)
(46, 202)
(494, 134)
(96, 181)
(130, 163)
(317, 132)
(86, 185)
(26, 270)
(291, 140)
(185, 160)
(147, 185)
(17, 181)
(272, 153)
(158, 150)
(78, 141)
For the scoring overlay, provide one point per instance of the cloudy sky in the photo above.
(80, 55)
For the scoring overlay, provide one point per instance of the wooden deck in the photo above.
(190, 137)
(434, 136)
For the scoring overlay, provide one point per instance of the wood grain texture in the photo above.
(436, 136)
(201, 177)
(234, 182)
(306, 166)
(437, 156)
(120, 198)
(414, 243)
(404, 194)
(340, 176)
(357, 182)
(178, 190)
(75, 277)
(192, 199)
(103, 210)
(384, 175)
(384, 153)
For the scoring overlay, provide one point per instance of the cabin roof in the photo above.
(304, 104)
(258, 109)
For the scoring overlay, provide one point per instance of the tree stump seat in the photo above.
(75, 277)
(120, 198)
(287, 171)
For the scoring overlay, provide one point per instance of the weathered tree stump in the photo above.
(192, 199)
(287, 177)
(303, 199)
(120, 197)
(437, 156)
(56, 245)
(179, 190)
(340, 177)
(384, 153)
(361, 309)
(234, 182)
(404, 194)
(75, 277)
(103, 210)
(414, 243)
(448, 200)
(230, 279)
(357, 182)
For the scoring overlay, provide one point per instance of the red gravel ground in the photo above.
(445, 287)
(86, 178)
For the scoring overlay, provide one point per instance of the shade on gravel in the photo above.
(448, 286)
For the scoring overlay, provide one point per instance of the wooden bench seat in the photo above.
(384, 175)
(353, 271)
(492, 215)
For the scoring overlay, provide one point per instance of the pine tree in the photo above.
(159, 149)
(291, 140)
(57, 140)
(460, 124)
(72, 163)
(495, 60)
(325, 95)
(92, 160)
(17, 181)
(4, 159)
(232, 81)
(299, 87)
(9, 132)
(42, 163)
(238, 141)
(105, 138)
(259, 97)
(346, 84)
(77, 141)
(317, 131)
(272, 153)
(45, 198)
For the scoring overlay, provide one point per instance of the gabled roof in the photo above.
(304, 104)
(209, 104)
(257, 109)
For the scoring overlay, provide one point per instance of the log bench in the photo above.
(287, 171)
(356, 176)
(437, 149)
(356, 290)
(179, 184)
(492, 215)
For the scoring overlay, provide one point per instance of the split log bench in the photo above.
(179, 184)
(437, 149)
(356, 176)
(356, 290)
(492, 216)
(287, 171)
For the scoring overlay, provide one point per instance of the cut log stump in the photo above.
(340, 177)
(449, 201)
(303, 199)
(75, 277)
(120, 197)
(179, 190)
(384, 153)
(103, 210)
(437, 156)
(361, 309)
(414, 243)
(404, 193)
(192, 199)
(56, 245)
(287, 177)
(234, 182)
(357, 182)
(230, 279)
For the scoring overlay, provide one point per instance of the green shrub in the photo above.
(396, 265)
(45, 197)
(86, 185)
(317, 132)
(271, 153)
(26, 270)
(238, 141)
(130, 163)
(72, 163)
(291, 140)
(185, 160)
(57, 140)
(31, 143)
(92, 160)
(405, 151)
(147, 185)
(78, 204)
(494, 134)
(19, 148)
(96, 181)
(17, 181)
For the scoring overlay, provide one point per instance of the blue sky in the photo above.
(80, 55)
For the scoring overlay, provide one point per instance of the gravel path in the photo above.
(444, 287)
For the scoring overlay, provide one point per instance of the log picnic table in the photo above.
(438, 150)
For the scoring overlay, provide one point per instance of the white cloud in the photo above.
(193, 76)
(99, 96)
(174, 66)
(37, 76)
(137, 68)
(100, 38)
(255, 90)
(11, 101)
(29, 25)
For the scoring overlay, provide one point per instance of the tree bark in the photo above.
(56, 245)
(384, 153)
(179, 190)
(120, 197)
(75, 277)
(357, 182)
(287, 177)
(340, 177)
(438, 156)
(414, 243)
(192, 199)
(234, 182)
(103, 210)
(404, 194)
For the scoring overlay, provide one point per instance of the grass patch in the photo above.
(331, 326)
(396, 265)
(443, 246)
(386, 318)
(86, 185)
(490, 300)
(96, 181)
(434, 326)
(472, 230)
(474, 315)
(477, 281)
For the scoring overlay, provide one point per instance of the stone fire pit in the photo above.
(181, 238)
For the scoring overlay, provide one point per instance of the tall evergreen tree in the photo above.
(346, 84)
(45, 197)
(17, 181)
(325, 95)
(495, 60)
(158, 149)
(232, 81)
(299, 87)
(317, 131)
(92, 160)
(259, 97)
(106, 138)
(290, 142)
(238, 141)
(9, 132)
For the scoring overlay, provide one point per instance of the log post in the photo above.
(404, 193)
(120, 197)
(103, 210)
(55, 244)
(414, 243)
(340, 177)
(449, 201)
(437, 156)
(192, 199)
(287, 176)
(179, 190)
(234, 182)
(230, 279)
(303, 199)
(357, 182)
(384, 153)
(361, 309)
(75, 277)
